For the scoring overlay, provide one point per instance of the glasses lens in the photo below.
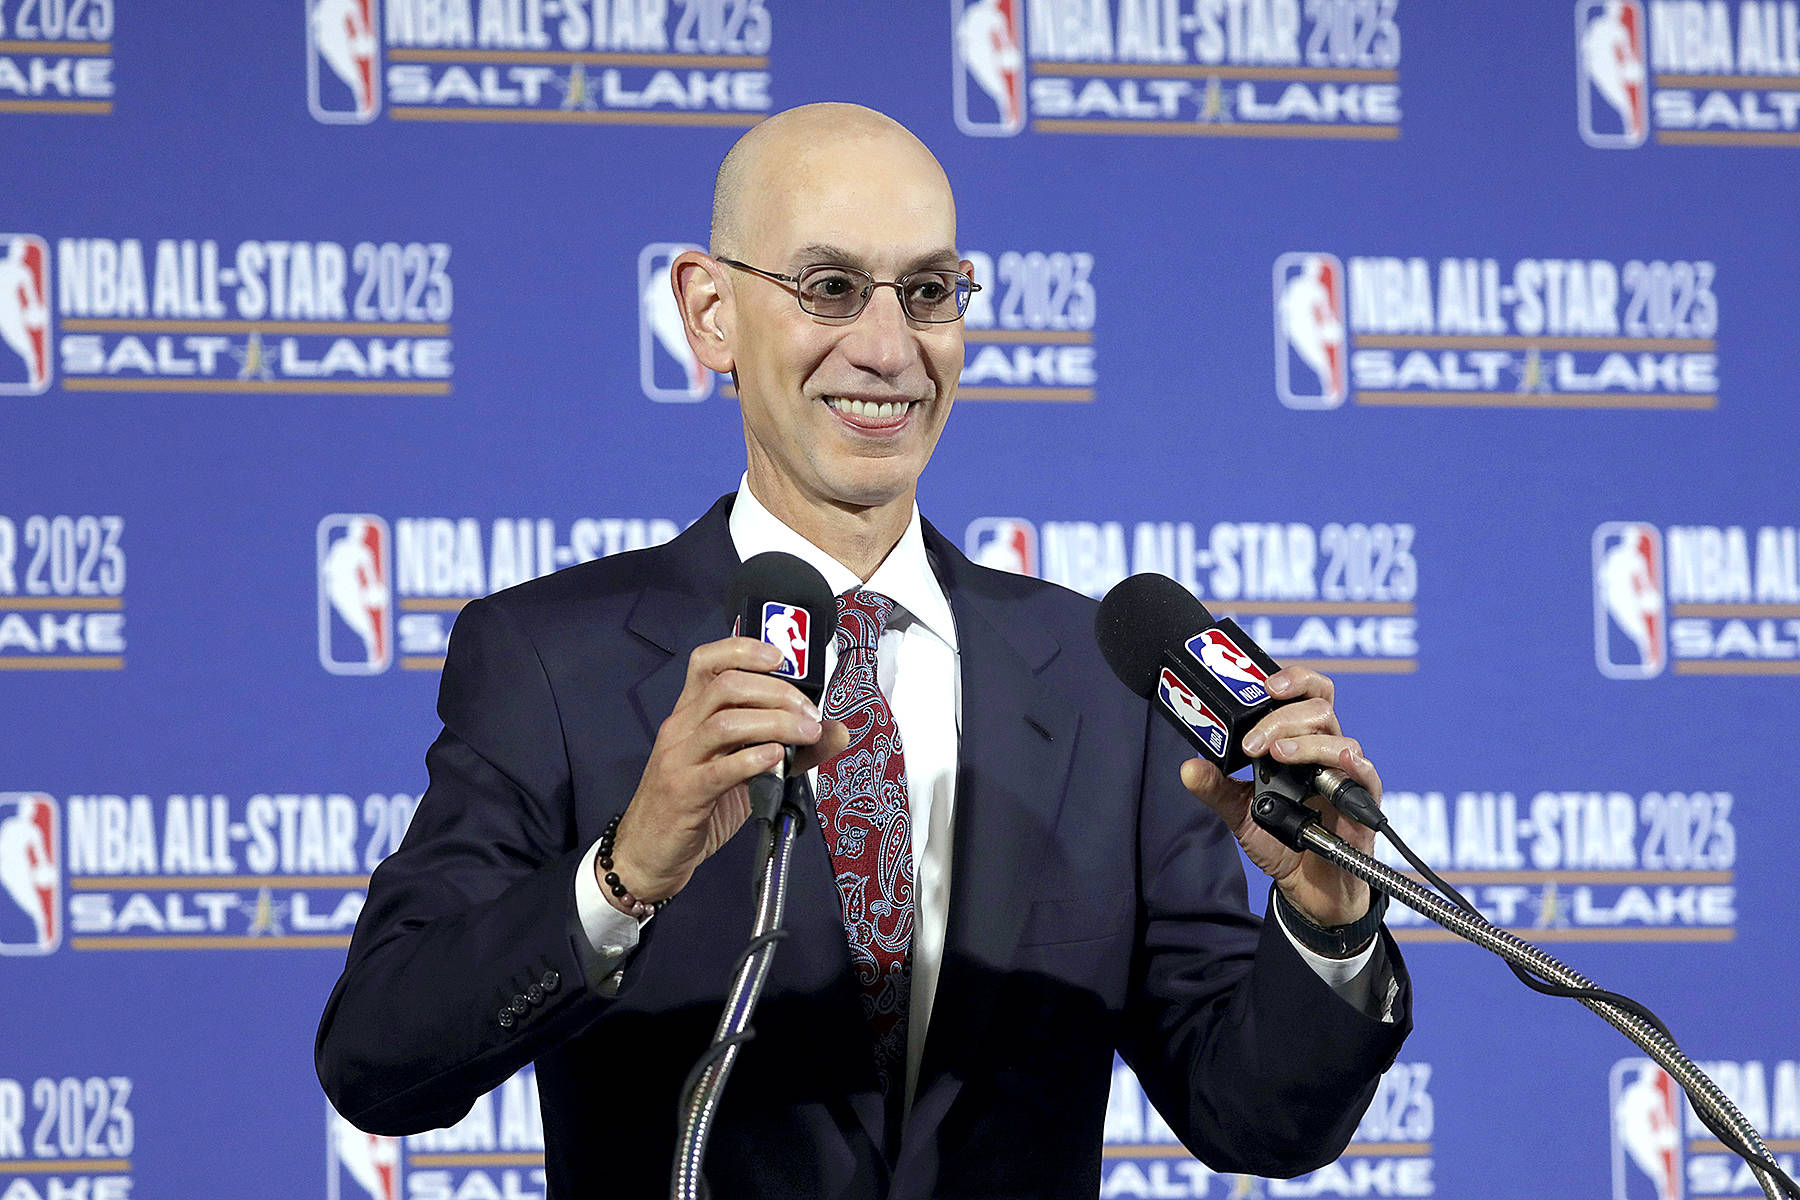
(833, 291)
(935, 295)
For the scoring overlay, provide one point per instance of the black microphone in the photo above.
(782, 600)
(1209, 680)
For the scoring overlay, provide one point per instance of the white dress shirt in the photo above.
(917, 667)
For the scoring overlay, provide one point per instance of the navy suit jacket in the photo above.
(1095, 906)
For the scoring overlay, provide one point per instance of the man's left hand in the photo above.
(1304, 731)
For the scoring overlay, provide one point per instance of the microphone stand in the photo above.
(1279, 808)
(778, 807)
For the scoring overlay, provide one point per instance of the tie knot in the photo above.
(862, 615)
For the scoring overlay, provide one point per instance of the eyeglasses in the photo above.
(824, 290)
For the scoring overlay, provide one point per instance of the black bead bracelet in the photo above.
(638, 908)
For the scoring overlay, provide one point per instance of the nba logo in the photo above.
(358, 1165)
(786, 628)
(1630, 630)
(1004, 543)
(30, 874)
(343, 61)
(1230, 666)
(1311, 350)
(356, 607)
(24, 314)
(990, 50)
(1191, 711)
(1611, 80)
(666, 364)
(1646, 1132)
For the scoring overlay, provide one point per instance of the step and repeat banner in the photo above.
(1446, 346)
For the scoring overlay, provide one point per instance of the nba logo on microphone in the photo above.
(1630, 614)
(1647, 1137)
(24, 314)
(30, 874)
(1612, 78)
(343, 61)
(1191, 711)
(1230, 666)
(358, 1165)
(1004, 543)
(356, 596)
(1311, 349)
(988, 46)
(667, 367)
(787, 628)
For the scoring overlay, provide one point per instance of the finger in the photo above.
(720, 775)
(743, 689)
(1318, 749)
(1292, 720)
(1359, 768)
(729, 654)
(1295, 683)
(726, 730)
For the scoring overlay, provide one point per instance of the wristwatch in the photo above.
(1337, 941)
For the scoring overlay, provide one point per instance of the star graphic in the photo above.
(253, 359)
(577, 92)
(1215, 104)
(1532, 376)
(1549, 909)
(265, 914)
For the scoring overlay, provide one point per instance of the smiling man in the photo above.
(1011, 881)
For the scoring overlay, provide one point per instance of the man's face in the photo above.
(806, 383)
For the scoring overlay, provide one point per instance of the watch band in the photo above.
(1337, 941)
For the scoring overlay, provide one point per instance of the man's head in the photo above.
(842, 185)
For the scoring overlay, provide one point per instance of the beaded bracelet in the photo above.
(638, 908)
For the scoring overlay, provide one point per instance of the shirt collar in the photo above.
(904, 576)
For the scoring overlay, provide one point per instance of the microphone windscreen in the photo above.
(1140, 618)
(783, 600)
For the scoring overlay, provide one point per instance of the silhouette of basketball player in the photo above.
(27, 868)
(24, 318)
(1314, 326)
(345, 37)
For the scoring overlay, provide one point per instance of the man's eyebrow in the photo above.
(817, 253)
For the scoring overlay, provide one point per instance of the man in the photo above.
(1068, 899)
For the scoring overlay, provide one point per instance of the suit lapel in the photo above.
(1017, 742)
(681, 607)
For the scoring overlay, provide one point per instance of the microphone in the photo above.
(782, 600)
(1210, 681)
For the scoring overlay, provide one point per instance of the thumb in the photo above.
(1229, 799)
(833, 741)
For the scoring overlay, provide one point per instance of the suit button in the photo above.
(534, 994)
(551, 981)
(506, 1018)
(518, 1006)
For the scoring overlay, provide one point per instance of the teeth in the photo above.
(863, 408)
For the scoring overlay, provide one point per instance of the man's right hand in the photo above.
(730, 723)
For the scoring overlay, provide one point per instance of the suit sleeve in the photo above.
(1253, 1060)
(467, 961)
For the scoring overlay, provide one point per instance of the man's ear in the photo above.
(702, 294)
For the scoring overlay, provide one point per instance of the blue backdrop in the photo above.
(1446, 346)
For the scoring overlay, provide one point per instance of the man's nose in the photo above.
(881, 338)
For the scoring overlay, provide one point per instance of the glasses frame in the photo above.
(868, 290)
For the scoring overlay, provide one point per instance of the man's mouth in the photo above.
(870, 410)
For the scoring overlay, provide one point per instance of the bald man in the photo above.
(941, 1024)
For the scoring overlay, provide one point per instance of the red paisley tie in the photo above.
(863, 811)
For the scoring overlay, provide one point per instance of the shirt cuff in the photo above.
(611, 934)
(1338, 973)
